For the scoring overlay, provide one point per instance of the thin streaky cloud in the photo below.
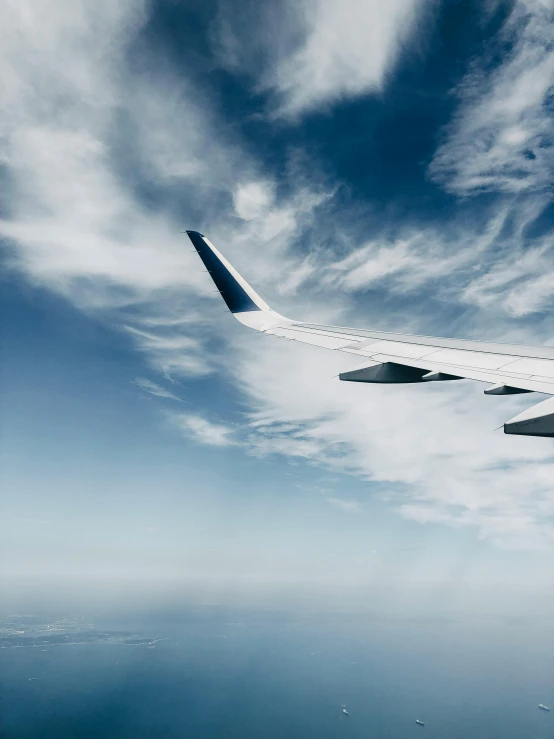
(153, 388)
(501, 138)
(203, 430)
(320, 51)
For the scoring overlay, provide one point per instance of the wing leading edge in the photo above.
(400, 358)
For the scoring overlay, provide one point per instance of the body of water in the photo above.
(212, 674)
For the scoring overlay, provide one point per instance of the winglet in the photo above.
(235, 291)
(241, 299)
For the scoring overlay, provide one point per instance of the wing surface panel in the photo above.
(511, 350)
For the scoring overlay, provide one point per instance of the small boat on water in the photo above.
(543, 707)
(419, 723)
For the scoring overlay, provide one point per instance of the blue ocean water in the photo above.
(213, 673)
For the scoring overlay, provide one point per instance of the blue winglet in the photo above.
(232, 291)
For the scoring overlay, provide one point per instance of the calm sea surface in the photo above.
(212, 673)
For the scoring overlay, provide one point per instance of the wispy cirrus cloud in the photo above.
(348, 48)
(501, 139)
(203, 430)
(405, 263)
(153, 388)
(490, 264)
(252, 199)
(521, 286)
(173, 353)
(316, 52)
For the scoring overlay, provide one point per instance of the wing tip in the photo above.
(239, 296)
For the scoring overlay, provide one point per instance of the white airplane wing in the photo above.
(400, 358)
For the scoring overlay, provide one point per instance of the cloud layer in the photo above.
(502, 139)
(432, 450)
(315, 53)
(106, 163)
(348, 49)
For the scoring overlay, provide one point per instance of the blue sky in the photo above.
(368, 164)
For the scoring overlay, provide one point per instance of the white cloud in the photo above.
(490, 264)
(522, 285)
(154, 389)
(202, 430)
(348, 48)
(71, 214)
(408, 261)
(173, 354)
(515, 275)
(436, 446)
(74, 221)
(501, 139)
(315, 52)
(252, 199)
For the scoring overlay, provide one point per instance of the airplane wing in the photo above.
(400, 358)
